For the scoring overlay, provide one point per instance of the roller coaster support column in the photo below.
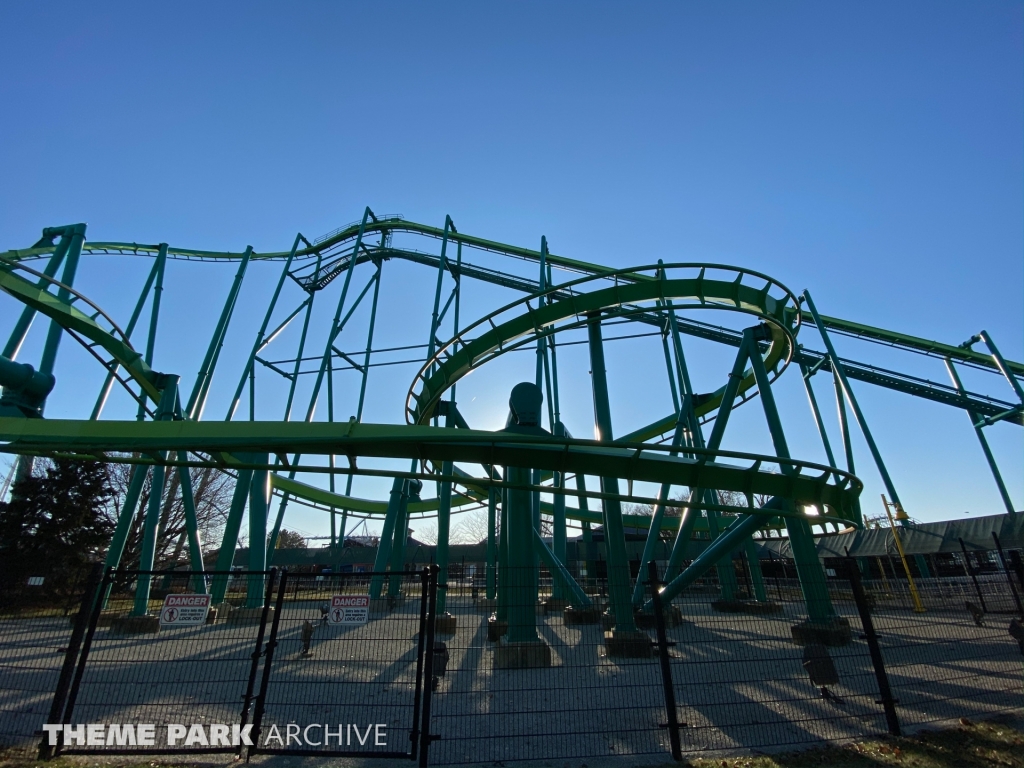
(124, 520)
(165, 412)
(522, 647)
(805, 554)
(401, 538)
(75, 234)
(502, 571)
(698, 496)
(726, 571)
(654, 534)
(138, 474)
(195, 549)
(558, 532)
(248, 371)
(56, 331)
(21, 328)
(157, 274)
(197, 400)
(614, 535)
(840, 372)
(806, 374)
(362, 388)
(444, 511)
(226, 556)
(387, 534)
(283, 505)
(259, 507)
(522, 605)
(997, 358)
(492, 500)
(977, 424)
(754, 566)
(731, 537)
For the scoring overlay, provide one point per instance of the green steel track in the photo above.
(660, 296)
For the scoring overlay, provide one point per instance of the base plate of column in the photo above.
(629, 645)
(249, 615)
(745, 606)
(833, 632)
(445, 624)
(522, 655)
(495, 628)
(581, 615)
(135, 625)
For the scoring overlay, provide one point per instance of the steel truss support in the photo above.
(492, 549)
(805, 554)
(614, 535)
(167, 410)
(399, 488)
(201, 389)
(259, 506)
(843, 382)
(989, 457)
(226, 556)
(520, 573)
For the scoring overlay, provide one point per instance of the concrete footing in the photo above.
(383, 605)
(646, 620)
(745, 606)
(135, 625)
(522, 655)
(495, 628)
(220, 612)
(486, 606)
(834, 632)
(445, 624)
(630, 645)
(555, 605)
(574, 615)
(249, 615)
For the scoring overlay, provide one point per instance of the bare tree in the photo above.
(211, 490)
(428, 534)
(471, 528)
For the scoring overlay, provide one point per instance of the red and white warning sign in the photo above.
(349, 609)
(184, 610)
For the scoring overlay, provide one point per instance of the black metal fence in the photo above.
(311, 665)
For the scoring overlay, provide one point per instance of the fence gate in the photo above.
(177, 679)
(344, 675)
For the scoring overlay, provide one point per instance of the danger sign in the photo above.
(184, 610)
(349, 609)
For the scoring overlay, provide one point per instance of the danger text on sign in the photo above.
(184, 610)
(349, 609)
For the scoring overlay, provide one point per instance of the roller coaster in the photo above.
(523, 474)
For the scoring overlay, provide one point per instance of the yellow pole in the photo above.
(885, 579)
(918, 607)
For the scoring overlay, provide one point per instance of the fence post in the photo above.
(97, 608)
(974, 577)
(428, 671)
(1009, 578)
(886, 700)
(60, 694)
(261, 700)
(421, 642)
(257, 652)
(666, 670)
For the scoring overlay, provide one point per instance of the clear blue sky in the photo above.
(870, 152)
